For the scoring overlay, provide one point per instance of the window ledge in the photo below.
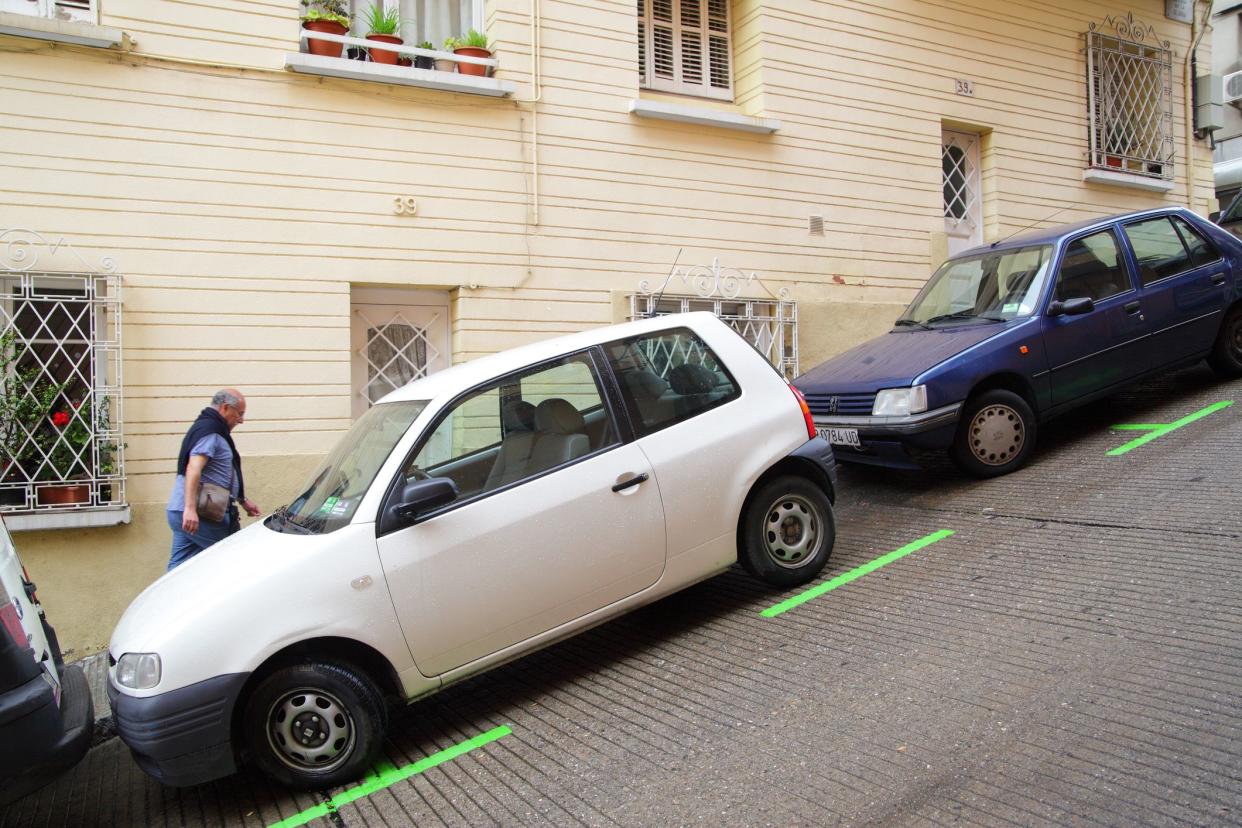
(703, 116)
(68, 519)
(335, 67)
(1093, 175)
(62, 31)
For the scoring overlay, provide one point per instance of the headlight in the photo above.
(898, 402)
(138, 671)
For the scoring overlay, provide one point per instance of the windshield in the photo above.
(331, 496)
(992, 286)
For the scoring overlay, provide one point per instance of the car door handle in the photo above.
(631, 483)
(1218, 278)
(1131, 307)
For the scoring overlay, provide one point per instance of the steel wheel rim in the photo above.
(996, 435)
(1235, 338)
(791, 531)
(310, 730)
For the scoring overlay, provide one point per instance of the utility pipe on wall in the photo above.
(1197, 30)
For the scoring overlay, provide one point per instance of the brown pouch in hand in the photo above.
(213, 502)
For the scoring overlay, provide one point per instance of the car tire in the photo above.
(1226, 356)
(787, 532)
(995, 434)
(341, 719)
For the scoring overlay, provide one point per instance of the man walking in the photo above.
(208, 456)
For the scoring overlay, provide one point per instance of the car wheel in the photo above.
(315, 725)
(995, 434)
(788, 532)
(1226, 356)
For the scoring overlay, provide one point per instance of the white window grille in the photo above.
(1130, 99)
(397, 336)
(61, 445)
(81, 11)
(684, 46)
(422, 21)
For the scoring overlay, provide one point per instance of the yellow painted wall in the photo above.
(242, 201)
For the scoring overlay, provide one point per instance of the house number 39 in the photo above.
(404, 205)
(964, 87)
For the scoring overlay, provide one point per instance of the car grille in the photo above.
(841, 405)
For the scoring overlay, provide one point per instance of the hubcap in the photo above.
(791, 532)
(996, 435)
(310, 729)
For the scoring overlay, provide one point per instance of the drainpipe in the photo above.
(1197, 30)
(535, 43)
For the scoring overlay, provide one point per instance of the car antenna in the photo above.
(667, 279)
(1032, 224)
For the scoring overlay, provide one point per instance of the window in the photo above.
(518, 427)
(434, 20)
(60, 416)
(669, 377)
(1165, 250)
(1130, 99)
(1091, 267)
(684, 46)
(77, 10)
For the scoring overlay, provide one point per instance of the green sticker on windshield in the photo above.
(1011, 307)
(328, 504)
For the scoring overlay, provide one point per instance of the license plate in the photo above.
(840, 436)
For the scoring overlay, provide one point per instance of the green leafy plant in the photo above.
(26, 402)
(474, 39)
(426, 44)
(382, 21)
(333, 10)
(451, 43)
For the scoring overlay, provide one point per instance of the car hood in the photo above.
(892, 360)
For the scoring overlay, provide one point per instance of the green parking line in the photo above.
(385, 774)
(855, 573)
(1155, 430)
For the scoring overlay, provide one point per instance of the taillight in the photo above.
(806, 411)
(10, 621)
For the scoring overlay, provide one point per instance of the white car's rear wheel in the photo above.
(788, 531)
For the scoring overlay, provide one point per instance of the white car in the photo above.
(46, 715)
(466, 519)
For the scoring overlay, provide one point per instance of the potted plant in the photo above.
(382, 25)
(26, 428)
(444, 64)
(425, 61)
(473, 44)
(328, 16)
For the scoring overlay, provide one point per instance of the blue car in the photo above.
(1005, 336)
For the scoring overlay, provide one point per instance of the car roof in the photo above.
(468, 374)
(1053, 234)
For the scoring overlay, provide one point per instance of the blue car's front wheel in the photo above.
(995, 434)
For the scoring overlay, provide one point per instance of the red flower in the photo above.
(60, 419)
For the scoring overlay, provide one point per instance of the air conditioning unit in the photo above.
(1233, 88)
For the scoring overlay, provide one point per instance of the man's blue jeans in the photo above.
(185, 545)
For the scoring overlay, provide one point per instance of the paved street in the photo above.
(1070, 655)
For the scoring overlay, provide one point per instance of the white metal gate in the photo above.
(396, 336)
(963, 210)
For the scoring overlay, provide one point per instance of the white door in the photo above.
(963, 211)
(546, 543)
(395, 336)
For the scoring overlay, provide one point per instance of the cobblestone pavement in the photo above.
(1072, 655)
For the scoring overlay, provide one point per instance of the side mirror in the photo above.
(422, 496)
(1214, 216)
(1072, 307)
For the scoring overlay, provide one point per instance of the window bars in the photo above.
(61, 444)
(1129, 99)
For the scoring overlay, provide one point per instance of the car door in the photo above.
(556, 530)
(1103, 347)
(678, 392)
(1182, 280)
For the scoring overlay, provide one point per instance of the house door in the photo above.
(963, 212)
(396, 336)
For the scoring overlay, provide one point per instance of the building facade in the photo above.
(193, 199)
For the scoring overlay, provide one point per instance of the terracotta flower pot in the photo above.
(324, 47)
(65, 494)
(472, 68)
(388, 56)
(1112, 160)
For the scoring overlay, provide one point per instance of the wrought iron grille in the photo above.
(1130, 98)
(395, 352)
(61, 445)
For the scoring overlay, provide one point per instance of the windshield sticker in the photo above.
(1012, 307)
(328, 504)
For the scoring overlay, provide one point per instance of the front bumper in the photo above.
(886, 440)
(182, 737)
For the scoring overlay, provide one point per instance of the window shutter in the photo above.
(683, 46)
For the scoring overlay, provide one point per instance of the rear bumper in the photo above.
(182, 737)
(886, 440)
(42, 740)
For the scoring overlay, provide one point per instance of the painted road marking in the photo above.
(385, 774)
(1155, 430)
(855, 573)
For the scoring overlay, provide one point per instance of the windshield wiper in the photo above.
(916, 323)
(962, 314)
(284, 521)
